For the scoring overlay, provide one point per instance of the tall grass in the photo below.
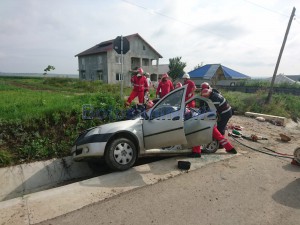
(41, 117)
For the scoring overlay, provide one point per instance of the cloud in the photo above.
(34, 33)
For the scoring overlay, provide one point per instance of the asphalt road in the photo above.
(252, 188)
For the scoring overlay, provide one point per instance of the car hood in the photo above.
(121, 125)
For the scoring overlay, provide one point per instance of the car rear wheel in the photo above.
(121, 154)
(212, 147)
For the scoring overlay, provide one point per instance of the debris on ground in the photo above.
(284, 138)
(260, 119)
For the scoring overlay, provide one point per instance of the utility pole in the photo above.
(279, 57)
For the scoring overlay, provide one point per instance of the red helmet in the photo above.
(178, 85)
(150, 104)
(206, 92)
(165, 76)
(140, 71)
(205, 85)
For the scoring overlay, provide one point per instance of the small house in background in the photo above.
(216, 74)
(283, 79)
(294, 77)
(102, 62)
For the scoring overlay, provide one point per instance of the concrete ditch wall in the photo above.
(16, 181)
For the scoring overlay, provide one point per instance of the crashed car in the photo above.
(167, 123)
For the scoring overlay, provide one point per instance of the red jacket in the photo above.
(139, 83)
(165, 87)
(191, 87)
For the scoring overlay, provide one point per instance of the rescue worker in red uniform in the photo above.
(164, 86)
(196, 150)
(206, 85)
(140, 84)
(191, 87)
(178, 85)
(223, 108)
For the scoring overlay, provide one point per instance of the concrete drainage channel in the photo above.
(40, 206)
(17, 181)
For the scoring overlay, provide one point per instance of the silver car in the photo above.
(168, 123)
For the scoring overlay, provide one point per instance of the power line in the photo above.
(172, 18)
(271, 10)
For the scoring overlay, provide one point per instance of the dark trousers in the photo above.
(223, 120)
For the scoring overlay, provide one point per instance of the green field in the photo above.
(41, 117)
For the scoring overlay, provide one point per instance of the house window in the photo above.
(153, 77)
(83, 75)
(145, 62)
(118, 59)
(154, 62)
(83, 63)
(100, 59)
(99, 75)
(144, 48)
(119, 76)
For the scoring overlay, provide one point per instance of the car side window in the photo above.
(169, 105)
(201, 107)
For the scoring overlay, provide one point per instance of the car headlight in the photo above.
(96, 130)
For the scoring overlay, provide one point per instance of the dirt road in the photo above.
(252, 188)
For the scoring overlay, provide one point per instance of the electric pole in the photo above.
(279, 57)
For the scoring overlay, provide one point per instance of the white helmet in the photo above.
(186, 76)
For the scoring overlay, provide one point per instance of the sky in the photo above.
(244, 35)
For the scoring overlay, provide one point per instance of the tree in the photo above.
(176, 68)
(48, 69)
(198, 66)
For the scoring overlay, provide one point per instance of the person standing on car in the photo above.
(164, 86)
(139, 82)
(223, 108)
(191, 87)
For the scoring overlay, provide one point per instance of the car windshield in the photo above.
(169, 105)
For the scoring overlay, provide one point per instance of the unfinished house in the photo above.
(102, 62)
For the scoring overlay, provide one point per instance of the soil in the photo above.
(267, 130)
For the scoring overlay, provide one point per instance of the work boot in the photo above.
(232, 151)
(195, 155)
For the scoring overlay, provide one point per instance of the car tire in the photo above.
(120, 154)
(212, 147)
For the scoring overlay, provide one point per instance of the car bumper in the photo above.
(89, 150)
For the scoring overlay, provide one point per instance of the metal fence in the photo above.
(245, 89)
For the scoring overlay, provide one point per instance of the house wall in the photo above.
(139, 55)
(91, 66)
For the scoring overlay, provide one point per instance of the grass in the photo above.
(41, 117)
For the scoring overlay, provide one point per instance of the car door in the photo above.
(164, 125)
(199, 122)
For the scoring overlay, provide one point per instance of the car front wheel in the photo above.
(121, 154)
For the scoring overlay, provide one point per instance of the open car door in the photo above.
(199, 122)
(164, 123)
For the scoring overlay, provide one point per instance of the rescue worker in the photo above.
(139, 82)
(164, 86)
(191, 87)
(223, 108)
(196, 150)
(178, 85)
(206, 85)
